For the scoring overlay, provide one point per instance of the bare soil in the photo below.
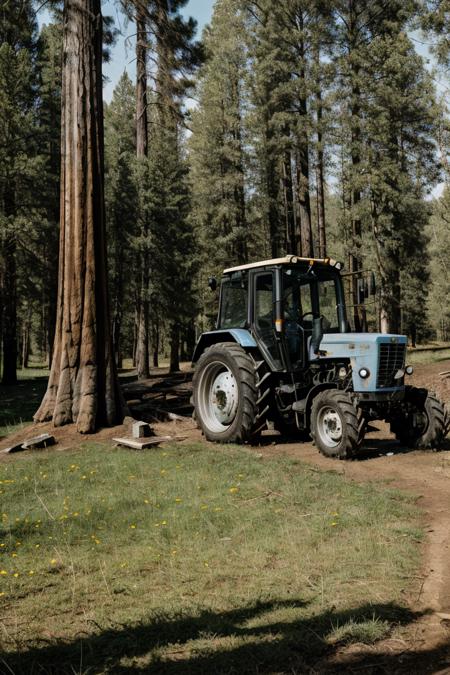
(423, 647)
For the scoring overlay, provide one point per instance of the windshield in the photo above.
(306, 296)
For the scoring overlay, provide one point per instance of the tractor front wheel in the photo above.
(335, 424)
(422, 422)
(226, 394)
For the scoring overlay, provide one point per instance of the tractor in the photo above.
(283, 355)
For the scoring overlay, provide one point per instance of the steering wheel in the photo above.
(306, 314)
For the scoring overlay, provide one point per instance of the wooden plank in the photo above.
(14, 448)
(41, 441)
(141, 445)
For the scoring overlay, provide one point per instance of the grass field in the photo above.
(423, 356)
(193, 559)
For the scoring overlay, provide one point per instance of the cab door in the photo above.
(263, 317)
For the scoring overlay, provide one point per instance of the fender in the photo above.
(304, 406)
(242, 336)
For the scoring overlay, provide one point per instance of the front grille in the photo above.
(391, 358)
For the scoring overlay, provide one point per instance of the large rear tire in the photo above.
(228, 402)
(422, 422)
(335, 425)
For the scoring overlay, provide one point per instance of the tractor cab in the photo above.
(285, 304)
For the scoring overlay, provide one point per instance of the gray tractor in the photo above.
(282, 354)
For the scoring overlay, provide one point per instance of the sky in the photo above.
(122, 54)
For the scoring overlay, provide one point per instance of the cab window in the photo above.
(233, 303)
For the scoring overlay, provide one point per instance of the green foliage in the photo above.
(217, 146)
(438, 231)
(121, 197)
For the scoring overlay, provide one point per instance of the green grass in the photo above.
(424, 356)
(193, 559)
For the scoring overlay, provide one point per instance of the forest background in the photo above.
(313, 128)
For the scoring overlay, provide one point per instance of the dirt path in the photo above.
(426, 647)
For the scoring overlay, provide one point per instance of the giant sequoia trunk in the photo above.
(83, 385)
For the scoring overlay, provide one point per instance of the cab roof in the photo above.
(287, 260)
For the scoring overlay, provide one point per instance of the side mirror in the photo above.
(317, 334)
(372, 284)
(212, 283)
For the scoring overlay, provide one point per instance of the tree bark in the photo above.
(9, 311)
(292, 236)
(303, 188)
(359, 312)
(321, 228)
(83, 385)
(26, 328)
(143, 313)
(174, 348)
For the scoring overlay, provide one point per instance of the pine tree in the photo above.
(121, 205)
(17, 165)
(386, 113)
(401, 152)
(290, 98)
(177, 56)
(217, 146)
(438, 231)
(49, 142)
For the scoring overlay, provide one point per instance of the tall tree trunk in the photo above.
(143, 330)
(239, 188)
(321, 229)
(83, 385)
(9, 311)
(155, 340)
(359, 312)
(292, 236)
(303, 199)
(174, 348)
(26, 329)
(388, 265)
(303, 189)
(271, 185)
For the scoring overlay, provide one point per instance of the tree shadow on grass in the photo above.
(19, 402)
(159, 645)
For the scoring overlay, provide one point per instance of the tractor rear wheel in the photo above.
(228, 401)
(422, 422)
(335, 425)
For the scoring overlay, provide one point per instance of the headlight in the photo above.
(364, 373)
(409, 370)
